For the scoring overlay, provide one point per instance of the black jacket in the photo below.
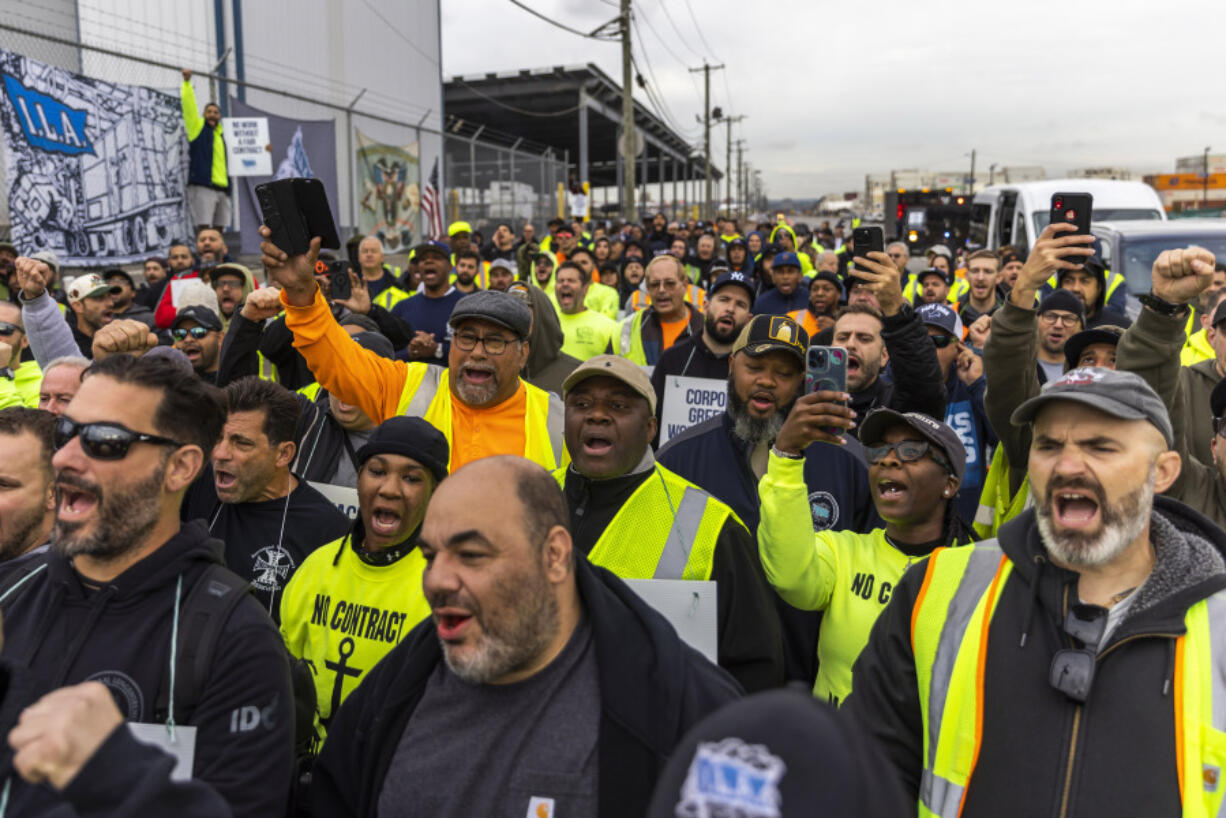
(750, 645)
(918, 385)
(652, 689)
(62, 632)
(1114, 755)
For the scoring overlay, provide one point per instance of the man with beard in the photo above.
(467, 267)
(103, 606)
(626, 508)
(427, 312)
(727, 456)
(27, 501)
(372, 575)
(502, 273)
(501, 246)
(211, 251)
(269, 519)
(541, 684)
(587, 333)
(123, 297)
(705, 355)
(1097, 569)
(196, 331)
(982, 296)
(232, 283)
(894, 334)
(479, 402)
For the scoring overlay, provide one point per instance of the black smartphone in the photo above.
(339, 284)
(1076, 209)
(867, 240)
(296, 210)
(826, 371)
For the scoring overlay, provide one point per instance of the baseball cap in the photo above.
(737, 278)
(47, 257)
(503, 264)
(940, 316)
(412, 437)
(1104, 334)
(933, 271)
(934, 431)
(1123, 395)
(1063, 300)
(787, 259)
(612, 366)
(89, 285)
(497, 308)
(435, 246)
(567, 229)
(1219, 315)
(230, 268)
(767, 333)
(199, 313)
(939, 250)
(459, 227)
(116, 272)
(781, 749)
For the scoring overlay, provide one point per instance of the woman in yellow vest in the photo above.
(916, 464)
(353, 600)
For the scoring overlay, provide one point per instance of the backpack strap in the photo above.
(202, 616)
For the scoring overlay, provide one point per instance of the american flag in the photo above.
(431, 207)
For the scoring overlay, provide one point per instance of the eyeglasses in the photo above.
(103, 441)
(941, 341)
(227, 284)
(8, 329)
(494, 344)
(908, 452)
(1072, 669)
(180, 334)
(1066, 319)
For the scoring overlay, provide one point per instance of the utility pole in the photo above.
(706, 126)
(740, 195)
(1204, 198)
(992, 174)
(728, 158)
(629, 140)
(972, 176)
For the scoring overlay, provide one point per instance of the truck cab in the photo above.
(1016, 214)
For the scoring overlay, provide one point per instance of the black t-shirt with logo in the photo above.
(256, 548)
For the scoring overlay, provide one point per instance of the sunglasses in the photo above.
(1072, 669)
(942, 341)
(8, 329)
(908, 451)
(103, 441)
(180, 334)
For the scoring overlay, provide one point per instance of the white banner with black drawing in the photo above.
(96, 171)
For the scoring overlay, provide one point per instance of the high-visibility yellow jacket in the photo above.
(667, 529)
(23, 388)
(997, 505)
(202, 155)
(1196, 348)
(950, 624)
(343, 615)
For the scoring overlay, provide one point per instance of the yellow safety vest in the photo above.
(1114, 280)
(806, 319)
(427, 395)
(268, 370)
(1196, 348)
(628, 343)
(949, 639)
(914, 291)
(996, 505)
(390, 297)
(666, 530)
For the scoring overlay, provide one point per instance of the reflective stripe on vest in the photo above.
(996, 506)
(667, 529)
(949, 627)
(427, 394)
(268, 371)
(631, 339)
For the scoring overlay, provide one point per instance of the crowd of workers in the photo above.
(364, 555)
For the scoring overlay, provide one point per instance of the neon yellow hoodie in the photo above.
(847, 575)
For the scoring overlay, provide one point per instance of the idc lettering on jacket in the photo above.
(354, 619)
(865, 585)
(249, 717)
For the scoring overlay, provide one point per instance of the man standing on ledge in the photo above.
(478, 402)
(208, 181)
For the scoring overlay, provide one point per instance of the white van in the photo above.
(1016, 214)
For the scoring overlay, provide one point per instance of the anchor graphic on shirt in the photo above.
(341, 666)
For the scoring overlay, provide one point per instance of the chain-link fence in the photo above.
(484, 178)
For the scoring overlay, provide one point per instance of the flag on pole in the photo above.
(431, 206)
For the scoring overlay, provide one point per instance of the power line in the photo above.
(673, 23)
(595, 34)
(398, 32)
(698, 29)
(522, 111)
(665, 112)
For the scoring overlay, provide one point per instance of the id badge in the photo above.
(182, 747)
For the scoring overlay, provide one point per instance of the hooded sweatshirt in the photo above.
(67, 631)
(547, 365)
(806, 263)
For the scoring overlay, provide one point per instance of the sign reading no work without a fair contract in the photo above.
(247, 144)
(688, 402)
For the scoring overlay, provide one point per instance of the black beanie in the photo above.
(412, 437)
(1063, 300)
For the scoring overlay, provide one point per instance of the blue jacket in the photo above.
(964, 413)
(772, 302)
(709, 456)
(427, 314)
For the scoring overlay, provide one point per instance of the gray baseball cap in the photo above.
(932, 430)
(1123, 395)
(495, 307)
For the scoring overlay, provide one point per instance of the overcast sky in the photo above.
(832, 92)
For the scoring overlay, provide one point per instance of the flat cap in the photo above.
(497, 308)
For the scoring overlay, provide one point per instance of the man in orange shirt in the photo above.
(478, 402)
(642, 337)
